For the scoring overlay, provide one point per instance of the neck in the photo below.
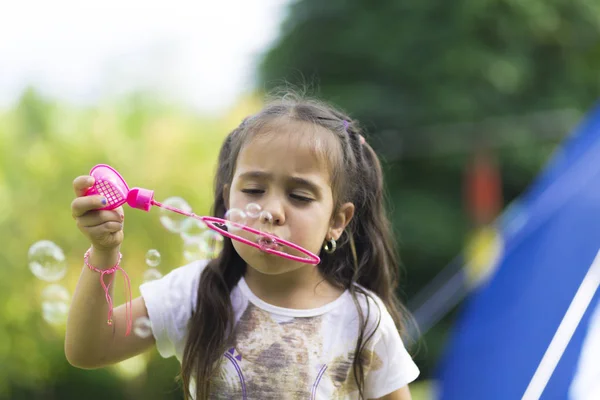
(303, 288)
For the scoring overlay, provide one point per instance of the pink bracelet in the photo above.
(128, 310)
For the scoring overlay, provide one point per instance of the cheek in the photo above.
(313, 228)
(236, 200)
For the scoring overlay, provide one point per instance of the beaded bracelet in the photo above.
(128, 310)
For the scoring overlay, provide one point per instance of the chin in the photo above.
(268, 264)
(269, 271)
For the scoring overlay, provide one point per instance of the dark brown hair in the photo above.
(366, 252)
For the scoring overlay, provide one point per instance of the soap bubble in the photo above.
(142, 327)
(55, 304)
(171, 220)
(151, 274)
(237, 216)
(265, 218)
(192, 250)
(153, 258)
(211, 244)
(192, 229)
(266, 222)
(47, 261)
(253, 210)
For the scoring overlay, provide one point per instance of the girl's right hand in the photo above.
(104, 228)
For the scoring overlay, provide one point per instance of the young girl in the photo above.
(249, 324)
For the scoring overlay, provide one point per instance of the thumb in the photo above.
(121, 212)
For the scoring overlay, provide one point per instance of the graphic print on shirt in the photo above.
(285, 360)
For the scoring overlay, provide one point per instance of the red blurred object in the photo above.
(483, 188)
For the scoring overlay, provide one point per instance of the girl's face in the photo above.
(281, 172)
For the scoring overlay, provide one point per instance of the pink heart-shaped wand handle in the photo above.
(110, 184)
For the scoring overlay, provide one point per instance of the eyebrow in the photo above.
(295, 179)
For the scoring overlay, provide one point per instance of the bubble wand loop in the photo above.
(110, 184)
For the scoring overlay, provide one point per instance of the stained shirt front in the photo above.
(280, 353)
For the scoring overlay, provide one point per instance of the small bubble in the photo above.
(192, 250)
(171, 220)
(211, 244)
(47, 261)
(55, 304)
(253, 210)
(265, 220)
(236, 216)
(265, 217)
(153, 258)
(192, 229)
(142, 327)
(151, 274)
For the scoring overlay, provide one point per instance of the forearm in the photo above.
(88, 335)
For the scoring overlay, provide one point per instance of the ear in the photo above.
(226, 188)
(340, 220)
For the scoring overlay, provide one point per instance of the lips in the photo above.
(268, 243)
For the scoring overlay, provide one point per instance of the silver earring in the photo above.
(329, 246)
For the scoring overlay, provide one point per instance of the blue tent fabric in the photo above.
(586, 383)
(551, 237)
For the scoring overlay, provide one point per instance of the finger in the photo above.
(81, 205)
(119, 210)
(107, 227)
(81, 184)
(94, 218)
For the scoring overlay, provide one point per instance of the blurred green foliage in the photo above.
(44, 145)
(431, 81)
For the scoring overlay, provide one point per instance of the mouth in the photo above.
(267, 243)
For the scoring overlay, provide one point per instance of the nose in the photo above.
(274, 210)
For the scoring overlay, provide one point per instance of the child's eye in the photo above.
(301, 198)
(253, 191)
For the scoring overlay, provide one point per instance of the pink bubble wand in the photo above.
(110, 184)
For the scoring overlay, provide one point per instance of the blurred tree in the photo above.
(44, 145)
(32, 110)
(430, 80)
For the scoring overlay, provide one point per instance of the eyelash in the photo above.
(256, 192)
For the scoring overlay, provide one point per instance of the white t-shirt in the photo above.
(282, 353)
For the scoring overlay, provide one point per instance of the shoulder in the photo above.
(377, 318)
(179, 285)
(388, 364)
(189, 271)
(170, 302)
